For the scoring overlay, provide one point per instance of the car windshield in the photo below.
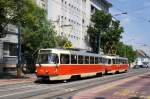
(48, 58)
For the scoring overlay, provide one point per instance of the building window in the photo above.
(82, 20)
(65, 2)
(62, 33)
(11, 48)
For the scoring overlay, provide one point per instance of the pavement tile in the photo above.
(138, 88)
(12, 79)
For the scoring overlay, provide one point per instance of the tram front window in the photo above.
(48, 58)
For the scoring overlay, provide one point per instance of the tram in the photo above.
(62, 64)
(116, 64)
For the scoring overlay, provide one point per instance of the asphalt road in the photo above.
(59, 90)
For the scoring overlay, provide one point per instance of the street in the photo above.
(60, 90)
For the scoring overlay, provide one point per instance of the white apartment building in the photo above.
(8, 49)
(71, 17)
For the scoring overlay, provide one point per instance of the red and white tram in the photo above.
(61, 64)
(115, 64)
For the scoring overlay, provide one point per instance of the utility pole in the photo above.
(99, 43)
(19, 42)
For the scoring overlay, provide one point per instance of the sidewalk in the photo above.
(10, 78)
(137, 87)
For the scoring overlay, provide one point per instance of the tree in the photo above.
(126, 51)
(14, 11)
(104, 30)
(100, 24)
(36, 31)
(109, 32)
(111, 37)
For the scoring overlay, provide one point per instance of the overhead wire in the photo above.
(133, 11)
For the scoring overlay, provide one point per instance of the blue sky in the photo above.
(136, 23)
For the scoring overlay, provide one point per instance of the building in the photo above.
(8, 49)
(71, 17)
(142, 58)
(42, 3)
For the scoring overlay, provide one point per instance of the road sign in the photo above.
(68, 45)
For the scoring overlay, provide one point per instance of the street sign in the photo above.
(68, 45)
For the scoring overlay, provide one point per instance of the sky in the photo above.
(136, 22)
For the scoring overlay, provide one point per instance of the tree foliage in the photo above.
(36, 31)
(126, 51)
(111, 37)
(107, 31)
(14, 11)
(100, 24)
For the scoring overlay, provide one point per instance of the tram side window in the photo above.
(100, 60)
(73, 59)
(96, 60)
(126, 61)
(122, 61)
(86, 59)
(91, 60)
(117, 61)
(109, 61)
(105, 61)
(64, 59)
(114, 61)
(80, 59)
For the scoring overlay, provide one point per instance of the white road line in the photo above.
(30, 91)
(21, 87)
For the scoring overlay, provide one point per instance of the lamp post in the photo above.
(120, 14)
(19, 42)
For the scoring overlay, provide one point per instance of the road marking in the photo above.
(71, 89)
(32, 91)
(21, 87)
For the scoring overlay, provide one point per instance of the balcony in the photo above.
(103, 4)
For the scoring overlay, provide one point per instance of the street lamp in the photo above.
(120, 14)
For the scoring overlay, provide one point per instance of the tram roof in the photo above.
(114, 57)
(69, 51)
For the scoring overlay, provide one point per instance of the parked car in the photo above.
(140, 66)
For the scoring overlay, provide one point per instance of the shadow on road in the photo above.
(135, 98)
(12, 76)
